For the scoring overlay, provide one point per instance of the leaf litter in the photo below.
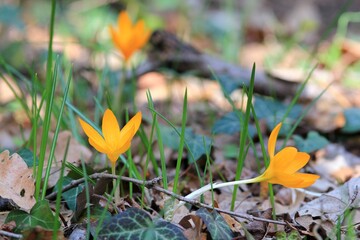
(306, 212)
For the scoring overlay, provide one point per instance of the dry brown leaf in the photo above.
(192, 225)
(7, 92)
(76, 152)
(332, 205)
(17, 182)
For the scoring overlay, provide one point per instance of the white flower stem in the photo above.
(117, 188)
(209, 186)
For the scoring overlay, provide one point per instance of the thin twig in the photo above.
(10, 234)
(199, 204)
(77, 182)
(151, 184)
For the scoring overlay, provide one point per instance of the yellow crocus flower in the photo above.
(129, 38)
(283, 169)
(284, 166)
(114, 141)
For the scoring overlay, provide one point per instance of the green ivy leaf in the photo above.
(230, 124)
(273, 111)
(10, 15)
(28, 157)
(294, 235)
(352, 117)
(215, 223)
(281, 235)
(313, 141)
(137, 224)
(40, 215)
(198, 144)
(70, 196)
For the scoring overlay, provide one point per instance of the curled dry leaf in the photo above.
(76, 152)
(17, 182)
(332, 206)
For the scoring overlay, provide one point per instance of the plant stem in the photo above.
(117, 189)
(209, 186)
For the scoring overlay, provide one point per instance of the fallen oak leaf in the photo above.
(17, 182)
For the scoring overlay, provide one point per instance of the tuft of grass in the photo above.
(50, 94)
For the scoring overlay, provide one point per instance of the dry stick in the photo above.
(151, 185)
(77, 182)
(10, 234)
(199, 204)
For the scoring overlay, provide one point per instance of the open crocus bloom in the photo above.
(114, 141)
(283, 169)
(129, 38)
(284, 165)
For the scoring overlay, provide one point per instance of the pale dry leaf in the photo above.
(6, 91)
(192, 225)
(333, 204)
(17, 182)
(75, 153)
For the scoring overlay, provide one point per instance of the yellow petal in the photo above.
(306, 180)
(93, 135)
(113, 157)
(287, 180)
(125, 24)
(98, 147)
(123, 148)
(283, 159)
(272, 140)
(299, 161)
(141, 34)
(132, 126)
(110, 129)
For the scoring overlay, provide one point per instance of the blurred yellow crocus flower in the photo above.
(283, 169)
(114, 141)
(129, 38)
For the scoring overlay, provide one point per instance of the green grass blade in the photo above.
(181, 145)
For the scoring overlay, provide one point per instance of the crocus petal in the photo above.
(125, 24)
(99, 148)
(296, 180)
(133, 125)
(141, 34)
(299, 161)
(124, 148)
(284, 158)
(110, 128)
(308, 179)
(272, 140)
(93, 135)
(113, 157)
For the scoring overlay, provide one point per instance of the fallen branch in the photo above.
(166, 51)
(77, 182)
(151, 184)
(199, 204)
(10, 234)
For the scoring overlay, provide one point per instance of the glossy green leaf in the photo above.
(216, 224)
(40, 215)
(230, 124)
(137, 224)
(313, 141)
(10, 15)
(352, 117)
(28, 157)
(70, 196)
(195, 142)
(281, 235)
(273, 111)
